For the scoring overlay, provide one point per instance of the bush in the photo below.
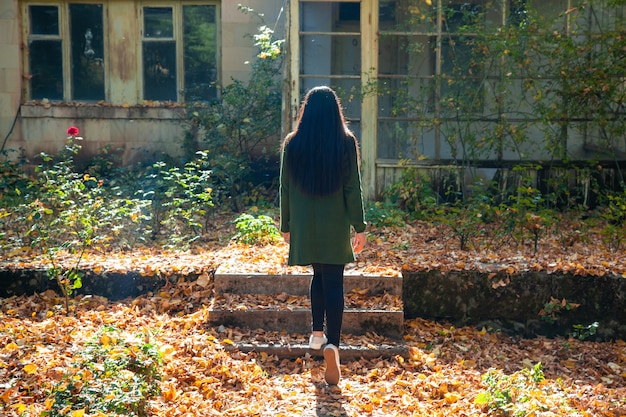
(116, 374)
(256, 230)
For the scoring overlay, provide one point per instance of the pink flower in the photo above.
(72, 131)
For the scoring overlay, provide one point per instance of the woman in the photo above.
(320, 202)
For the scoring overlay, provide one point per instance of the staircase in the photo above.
(279, 305)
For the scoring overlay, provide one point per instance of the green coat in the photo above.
(320, 227)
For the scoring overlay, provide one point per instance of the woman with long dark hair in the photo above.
(321, 202)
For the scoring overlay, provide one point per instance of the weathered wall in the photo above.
(513, 303)
(10, 68)
(134, 130)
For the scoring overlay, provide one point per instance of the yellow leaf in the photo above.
(30, 368)
(11, 346)
(78, 413)
(48, 403)
(451, 397)
(228, 342)
(170, 393)
(19, 407)
(105, 340)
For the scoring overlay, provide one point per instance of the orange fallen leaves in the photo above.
(440, 376)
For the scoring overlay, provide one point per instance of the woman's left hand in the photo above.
(359, 242)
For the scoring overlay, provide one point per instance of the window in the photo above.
(330, 36)
(162, 41)
(172, 51)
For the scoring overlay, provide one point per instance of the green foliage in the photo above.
(383, 214)
(260, 230)
(464, 221)
(411, 193)
(242, 129)
(66, 216)
(116, 374)
(181, 199)
(517, 394)
(583, 332)
(614, 213)
(553, 309)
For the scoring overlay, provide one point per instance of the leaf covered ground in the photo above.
(448, 371)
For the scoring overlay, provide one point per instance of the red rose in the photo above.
(72, 131)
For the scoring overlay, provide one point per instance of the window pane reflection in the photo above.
(44, 20)
(158, 22)
(87, 51)
(159, 60)
(199, 41)
(46, 69)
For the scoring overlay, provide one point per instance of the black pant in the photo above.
(327, 301)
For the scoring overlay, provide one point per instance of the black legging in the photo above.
(327, 302)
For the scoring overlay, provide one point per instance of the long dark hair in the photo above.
(319, 149)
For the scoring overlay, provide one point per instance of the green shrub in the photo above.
(117, 373)
(256, 230)
(383, 214)
(523, 393)
(412, 193)
(242, 129)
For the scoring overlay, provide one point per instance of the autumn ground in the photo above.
(447, 372)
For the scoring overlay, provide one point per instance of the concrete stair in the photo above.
(279, 303)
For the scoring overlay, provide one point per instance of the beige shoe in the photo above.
(333, 372)
(316, 342)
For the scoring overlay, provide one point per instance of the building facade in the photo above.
(426, 83)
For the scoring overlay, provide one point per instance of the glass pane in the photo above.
(158, 22)
(159, 71)
(44, 20)
(328, 53)
(86, 39)
(406, 55)
(459, 17)
(46, 69)
(199, 40)
(324, 54)
(407, 15)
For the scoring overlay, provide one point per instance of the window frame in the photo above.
(178, 38)
(64, 36)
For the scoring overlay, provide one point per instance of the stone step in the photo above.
(387, 323)
(280, 303)
(299, 284)
(347, 352)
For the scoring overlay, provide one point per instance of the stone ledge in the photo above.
(346, 352)
(513, 303)
(95, 111)
(299, 284)
(355, 321)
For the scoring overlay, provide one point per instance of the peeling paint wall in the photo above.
(10, 69)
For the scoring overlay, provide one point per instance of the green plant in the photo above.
(552, 309)
(181, 199)
(583, 332)
(614, 213)
(514, 395)
(66, 215)
(243, 126)
(383, 214)
(464, 221)
(411, 193)
(116, 373)
(256, 230)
